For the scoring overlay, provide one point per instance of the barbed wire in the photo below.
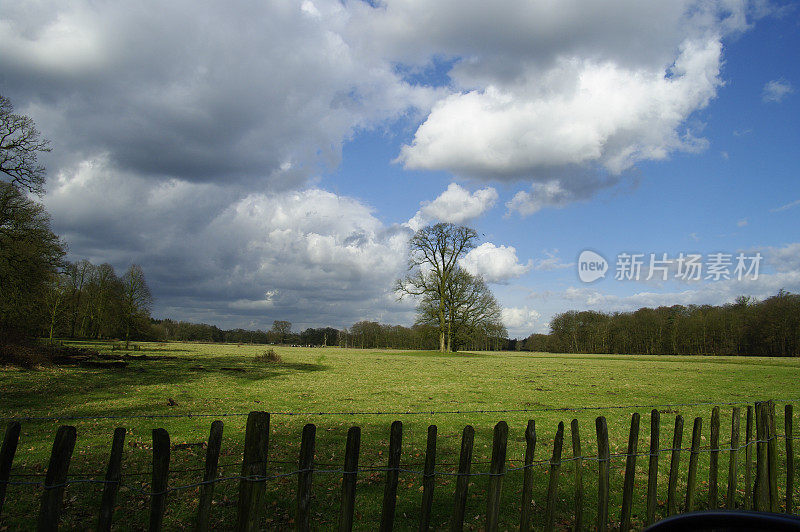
(390, 412)
(367, 469)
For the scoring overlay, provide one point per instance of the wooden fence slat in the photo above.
(497, 470)
(761, 488)
(209, 476)
(392, 477)
(254, 464)
(674, 465)
(158, 498)
(349, 478)
(603, 472)
(772, 457)
(733, 461)
(748, 460)
(577, 455)
(527, 478)
(304, 477)
(630, 473)
(7, 451)
(428, 480)
(787, 430)
(552, 483)
(462, 480)
(53, 494)
(713, 464)
(694, 456)
(652, 467)
(113, 474)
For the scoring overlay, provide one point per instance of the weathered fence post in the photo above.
(462, 480)
(577, 455)
(7, 452)
(113, 474)
(674, 464)
(733, 462)
(209, 476)
(552, 484)
(54, 482)
(772, 456)
(158, 487)
(748, 460)
(787, 430)
(527, 477)
(496, 471)
(392, 477)
(713, 464)
(428, 480)
(630, 473)
(694, 455)
(349, 479)
(254, 471)
(652, 467)
(761, 488)
(603, 472)
(305, 476)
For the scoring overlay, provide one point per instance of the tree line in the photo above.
(363, 335)
(746, 327)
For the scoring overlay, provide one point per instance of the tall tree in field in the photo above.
(136, 299)
(433, 261)
(30, 254)
(473, 313)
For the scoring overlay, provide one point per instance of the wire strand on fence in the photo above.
(367, 469)
(389, 412)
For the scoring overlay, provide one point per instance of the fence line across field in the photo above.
(389, 412)
(759, 433)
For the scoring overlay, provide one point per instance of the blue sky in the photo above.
(271, 161)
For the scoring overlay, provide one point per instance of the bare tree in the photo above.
(136, 298)
(20, 145)
(433, 261)
(282, 329)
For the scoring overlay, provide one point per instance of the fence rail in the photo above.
(762, 491)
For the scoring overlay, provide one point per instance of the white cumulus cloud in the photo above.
(520, 321)
(456, 205)
(496, 264)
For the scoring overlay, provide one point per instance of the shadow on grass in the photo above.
(67, 388)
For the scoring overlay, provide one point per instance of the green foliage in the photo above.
(30, 255)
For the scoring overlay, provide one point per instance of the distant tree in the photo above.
(55, 296)
(20, 145)
(136, 299)
(282, 329)
(432, 263)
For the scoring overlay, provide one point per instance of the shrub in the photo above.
(269, 356)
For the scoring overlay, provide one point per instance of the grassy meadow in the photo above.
(183, 378)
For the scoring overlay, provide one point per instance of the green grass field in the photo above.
(226, 379)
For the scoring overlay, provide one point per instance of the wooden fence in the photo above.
(761, 490)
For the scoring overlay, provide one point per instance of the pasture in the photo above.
(336, 388)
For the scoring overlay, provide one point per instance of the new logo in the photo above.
(591, 266)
